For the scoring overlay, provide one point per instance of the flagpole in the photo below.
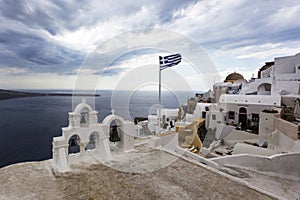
(159, 99)
(164, 62)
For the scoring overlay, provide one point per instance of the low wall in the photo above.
(167, 139)
(284, 164)
(287, 128)
(241, 148)
(169, 143)
(196, 157)
(282, 143)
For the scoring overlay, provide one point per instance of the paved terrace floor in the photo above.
(141, 174)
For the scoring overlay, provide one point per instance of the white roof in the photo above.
(270, 100)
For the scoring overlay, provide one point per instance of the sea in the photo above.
(28, 125)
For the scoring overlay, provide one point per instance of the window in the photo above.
(203, 114)
(231, 115)
(255, 117)
(213, 117)
(206, 108)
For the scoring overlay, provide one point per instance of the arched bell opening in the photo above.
(74, 144)
(114, 132)
(92, 141)
(84, 117)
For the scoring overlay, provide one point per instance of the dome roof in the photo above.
(234, 77)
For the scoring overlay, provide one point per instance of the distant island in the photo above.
(10, 94)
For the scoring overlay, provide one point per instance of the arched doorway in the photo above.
(74, 144)
(243, 117)
(92, 141)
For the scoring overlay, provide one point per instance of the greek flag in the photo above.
(169, 61)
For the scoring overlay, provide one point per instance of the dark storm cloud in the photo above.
(20, 11)
(29, 29)
(36, 54)
(23, 45)
(80, 13)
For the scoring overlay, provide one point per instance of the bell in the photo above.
(74, 142)
(113, 135)
(82, 119)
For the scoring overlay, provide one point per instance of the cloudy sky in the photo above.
(44, 44)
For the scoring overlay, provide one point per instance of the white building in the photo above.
(277, 80)
(280, 77)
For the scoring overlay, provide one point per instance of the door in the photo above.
(243, 117)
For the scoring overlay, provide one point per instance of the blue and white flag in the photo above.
(169, 61)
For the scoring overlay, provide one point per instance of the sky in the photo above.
(51, 44)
